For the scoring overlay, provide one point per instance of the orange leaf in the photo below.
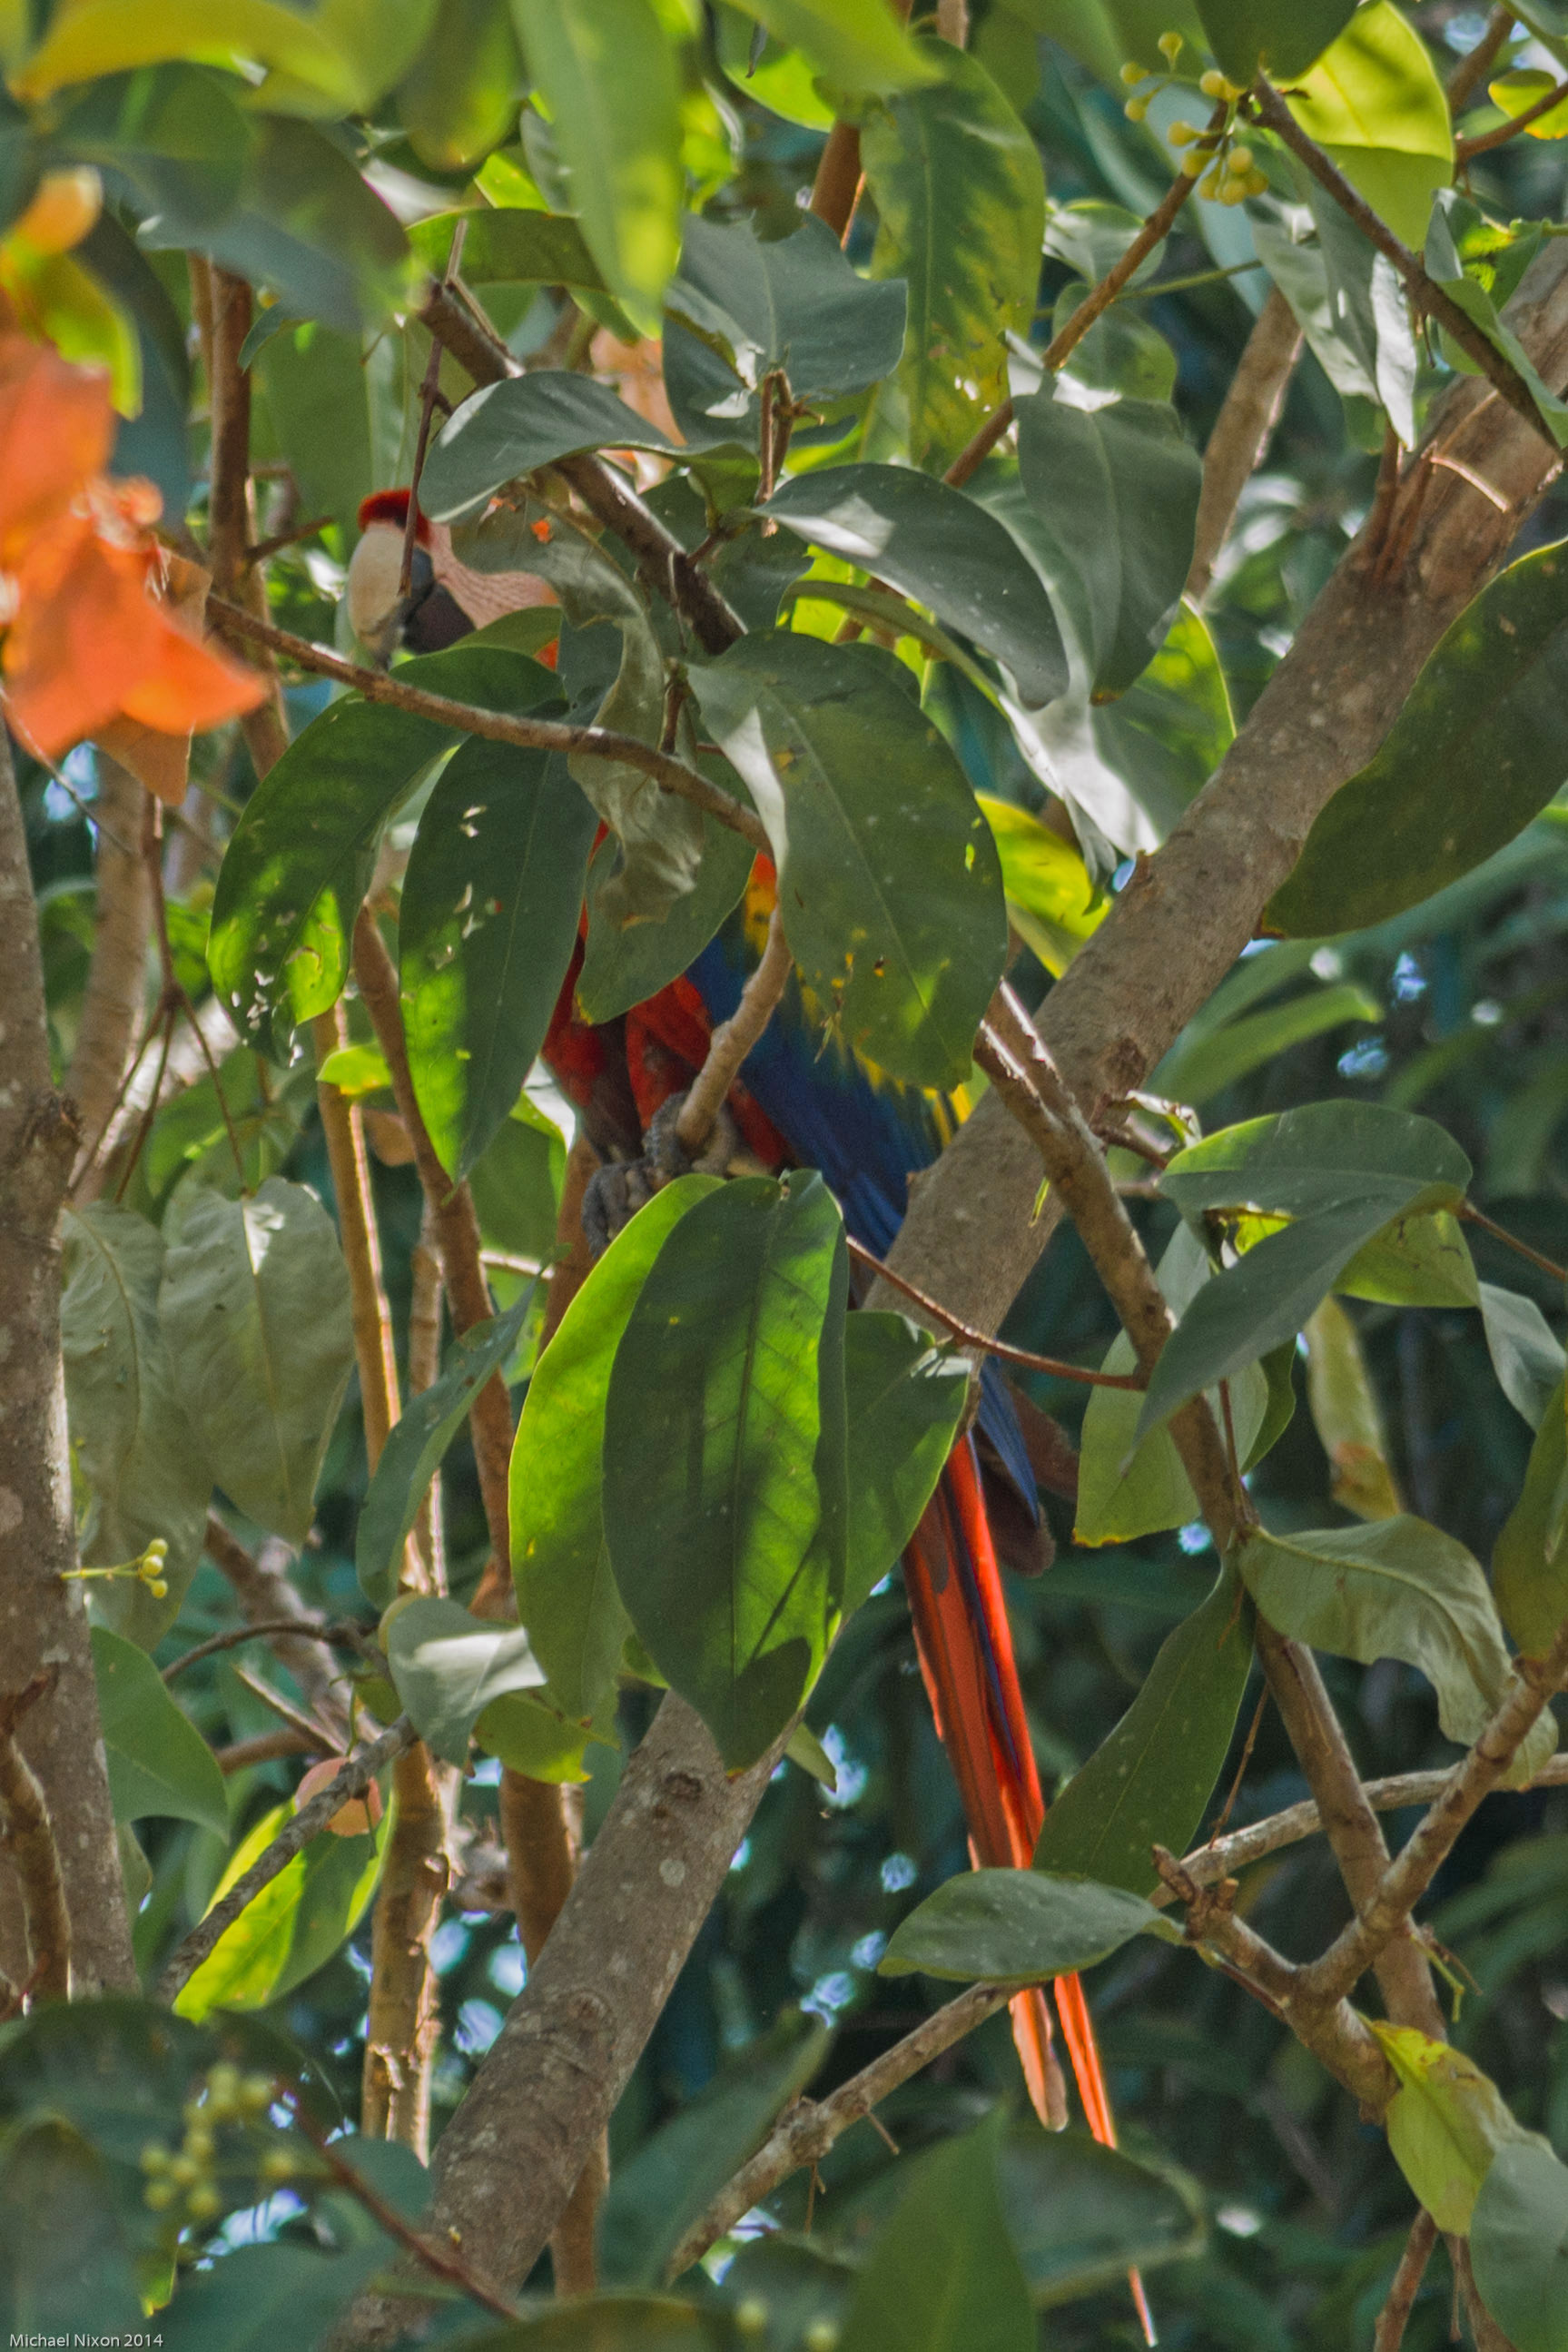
(56, 431)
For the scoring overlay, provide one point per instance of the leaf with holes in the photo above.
(889, 877)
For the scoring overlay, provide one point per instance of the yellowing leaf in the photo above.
(1444, 2123)
(1346, 1416)
(1052, 903)
(1516, 93)
(1375, 103)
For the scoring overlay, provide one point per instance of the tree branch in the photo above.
(112, 1006)
(1476, 63)
(1025, 1357)
(1247, 418)
(352, 1781)
(500, 726)
(29, 1840)
(344, 1129)
(1428, 297)
(734, 1039)
(1405, 2284)
(267, 1596)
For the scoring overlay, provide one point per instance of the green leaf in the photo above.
(64, 2267)
(1348, 1417)
(1053, 904)
(448, 1667)
(1250, 36)
(1102, 33)
(513, 247)
(960, 199)
(565, 1594)
(1112, 493)
(1526, 1354)
(944, 2275)
(937, 546)
(299, 860)
(110, 36)
(741, 305)
(459, 97)
(660, 835)
(607, 73)
(1340, 1170)
(295, 1924)
(1079, 2215)
(165, 136)
(516, 1185)
(509, 429)
(334, 401)
(1373, 101)
(1397, 1589)
(1530, 1561)
(255, 1308)
(1419, 1261)
(624, 964)
(716, 1444)
(878, 842)
(1514, 94)
(855, 45)
(258, 2296)
(133, 1442)
(1149, 1781)
(533, 1737)
(416, 1445)
(1130, 1486)
(1473, 756)
(906, 1400)
(1015, 1927)
(1519, 2247)
(676, 2172)
(158, 1761)
(1447, 2123)
(1206, 1066)
(1121, 353)
(486, 925)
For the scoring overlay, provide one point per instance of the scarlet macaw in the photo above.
(804, 1099)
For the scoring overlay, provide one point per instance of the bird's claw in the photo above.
(616, 1192)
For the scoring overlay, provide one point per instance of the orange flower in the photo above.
(96, 646)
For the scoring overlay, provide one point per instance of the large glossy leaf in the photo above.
(944, 2275)
(516, 248)
(1447, 2123)
(1080, 2216)
(134, 1446)
(1518, 2246)
(487, 922)
(1015, 1927)
(508, 429)
(679, 2169)
(109, 36)
(660, 835)
(459, 97)
(1149, 1781)
(295, 1924)
(260, 2296)
(888, 873)
(1129, 1486)
(853, 43)
(448, 1667)
(1112, 493)
(608, 74)
(1374, 102)
(1473, 756)
(1526, 1354)
(741, 305)
(299, 860)
(722, 1469)
(566, 1592)
(1103, 32)
(1250, 36)
(1340, 1170)
(1529, 1562)
(416, 1444)
(255, 1308)
(960, 200)
(158, 1761)
(1397, 1589)
(516, 1186)
(906, 1398)
(937, 546)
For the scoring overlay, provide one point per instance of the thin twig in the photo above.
(1428, 297)
(351, 1780)
(1476, 63)
(498, 727)
(302, 1724)
(1156, 228)
(174, 990)
(734, 1039)
(429, 393)
(282, 539)
(1484, 140)
(1471, 1215)
(429, 2253)
(334, 1636)
(812, 2125)
(1389, 2333)
(1024, 1357)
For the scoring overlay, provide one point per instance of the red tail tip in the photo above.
(390, 507)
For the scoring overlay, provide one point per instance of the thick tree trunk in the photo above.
(43, 1622)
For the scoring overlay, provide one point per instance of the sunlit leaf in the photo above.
(1446, 2122)
(296, 1924)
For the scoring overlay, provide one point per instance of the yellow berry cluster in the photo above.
(146, 1568)
(185, 2179)
(1230, 170)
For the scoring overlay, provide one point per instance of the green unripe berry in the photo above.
(158, 1588)
(1135, 108)
(1132, 73)
(199, 2146)
(1257, 183)
(1213, 84)
(1213, 185)
(821, 2336)
(751, 2317)
(1170, 46)
(278, 2164)
(1182, 134)
(159, 2195)
(256, 2093)
(154, 2157)
(185, 2168)
(1241, 160)
(1234, 192)
(203, 2202)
